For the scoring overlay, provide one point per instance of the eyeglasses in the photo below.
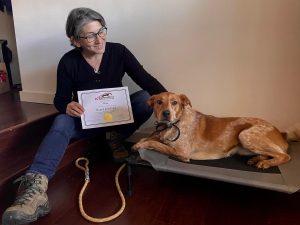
(93, 36)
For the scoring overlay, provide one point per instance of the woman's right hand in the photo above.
(74, 109)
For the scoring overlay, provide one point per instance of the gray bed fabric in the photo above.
(285, 178)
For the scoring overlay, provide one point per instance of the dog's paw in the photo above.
(264, 164)
(259, 162)
(183, 159)
(252, 162)
(137, 146)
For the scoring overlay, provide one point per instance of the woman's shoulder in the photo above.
(71, 55)
(70, 58)
(115, 47)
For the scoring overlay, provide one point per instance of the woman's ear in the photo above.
(75, 42)
(185, 100)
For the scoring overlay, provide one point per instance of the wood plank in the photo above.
(16, 113)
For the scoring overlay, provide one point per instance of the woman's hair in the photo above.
(79, 17)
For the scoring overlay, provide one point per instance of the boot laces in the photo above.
(28, 189)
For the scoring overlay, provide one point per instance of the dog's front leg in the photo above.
(139, 144)
(142, 143)
(159, 147)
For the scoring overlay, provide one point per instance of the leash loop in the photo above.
(85, 168)
(87, 180)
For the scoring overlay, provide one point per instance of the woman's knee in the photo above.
(141, 110)
(139, 98)
(63, 122)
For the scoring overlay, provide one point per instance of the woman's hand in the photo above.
(74, 109)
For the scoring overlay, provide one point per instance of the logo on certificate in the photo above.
(105, 96)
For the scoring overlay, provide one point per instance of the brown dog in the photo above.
(188, 134)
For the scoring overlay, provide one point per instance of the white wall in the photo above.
(231, 57)
(7, 33)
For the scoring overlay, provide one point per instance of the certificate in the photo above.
(105, 107)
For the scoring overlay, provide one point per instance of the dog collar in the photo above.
(164, 124)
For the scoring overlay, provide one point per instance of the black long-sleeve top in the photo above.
(75, 74)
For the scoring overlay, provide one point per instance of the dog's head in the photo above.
(168, 106)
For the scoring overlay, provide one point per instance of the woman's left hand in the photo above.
(74, 109)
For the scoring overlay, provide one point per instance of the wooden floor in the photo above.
(159, 198)
(167, 199)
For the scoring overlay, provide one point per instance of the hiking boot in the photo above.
(31, 201)
(115, 143)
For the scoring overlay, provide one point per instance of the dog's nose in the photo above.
(166, 113)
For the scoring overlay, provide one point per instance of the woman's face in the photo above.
(92, 38)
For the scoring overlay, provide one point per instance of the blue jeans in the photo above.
(64, 128)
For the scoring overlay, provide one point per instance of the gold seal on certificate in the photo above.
(108, 117)
(105, 107)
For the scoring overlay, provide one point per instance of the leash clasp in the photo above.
(87, 175)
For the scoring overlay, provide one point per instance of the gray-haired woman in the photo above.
(94, 63)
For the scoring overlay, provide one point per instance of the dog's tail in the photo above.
(292, 133)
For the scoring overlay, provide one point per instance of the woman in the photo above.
(94, 63)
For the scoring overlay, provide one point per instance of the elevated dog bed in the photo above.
(285, 178)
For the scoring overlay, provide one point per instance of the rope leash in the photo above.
(87, 180)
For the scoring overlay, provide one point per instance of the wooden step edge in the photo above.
(25, 135)
(25, 123)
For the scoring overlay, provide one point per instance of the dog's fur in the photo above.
(205, 137)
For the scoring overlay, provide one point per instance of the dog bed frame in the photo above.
(284, 178)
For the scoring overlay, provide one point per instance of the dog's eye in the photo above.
(174, 103)
(159, 102)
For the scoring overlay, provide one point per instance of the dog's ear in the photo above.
(151, 100)
(185, 100)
